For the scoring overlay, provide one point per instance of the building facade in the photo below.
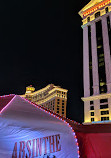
(52, 97)
(97, 60)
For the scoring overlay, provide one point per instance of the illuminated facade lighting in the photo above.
(97, 64)
(92, 7)
(51, 97)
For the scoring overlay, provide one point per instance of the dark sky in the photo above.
(41, 43)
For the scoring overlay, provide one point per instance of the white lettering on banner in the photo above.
(37, 147)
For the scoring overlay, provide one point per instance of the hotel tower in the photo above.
(52, 97)
(96, 27)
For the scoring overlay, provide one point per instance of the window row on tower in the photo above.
(104, 110)
(100, 56)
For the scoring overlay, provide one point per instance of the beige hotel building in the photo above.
(52, 97)
(96, 18)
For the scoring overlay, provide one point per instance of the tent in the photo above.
(30, 131)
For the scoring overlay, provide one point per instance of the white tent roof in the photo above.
(22, 124)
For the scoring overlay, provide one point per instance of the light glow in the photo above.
(93, 6)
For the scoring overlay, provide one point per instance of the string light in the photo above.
(98, 6)
(48, 112)
(60, 118)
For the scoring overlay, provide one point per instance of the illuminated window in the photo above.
(106, 9)
(105, 112)
(101, 55)
(92, 113)
(91, 107)
(100, 46)
(104, 118)
(104, 106)
(101, 59)
(92, 119)
(90, 65)
(88, 19)
(102, 83)
(97, 14)
(101, 64)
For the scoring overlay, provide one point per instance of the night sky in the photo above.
(41, 43)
